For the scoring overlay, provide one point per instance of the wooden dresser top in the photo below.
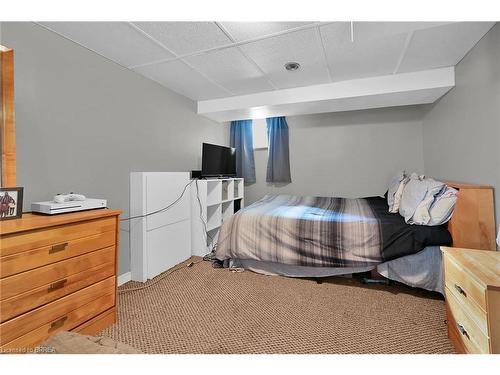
(32, 221)
(482, 265)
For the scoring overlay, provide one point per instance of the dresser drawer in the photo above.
(97, 324)
(469, 334)
(456, 278)
(73, 319)
(64, 314)
(28, 290)
(470, 307)
(22, 242)
(27, 260)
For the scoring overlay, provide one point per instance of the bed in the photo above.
(324, 236)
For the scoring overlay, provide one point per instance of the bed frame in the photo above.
(472, 225)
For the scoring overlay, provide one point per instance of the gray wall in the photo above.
(349, 154)
(83, 123)
(462, 130)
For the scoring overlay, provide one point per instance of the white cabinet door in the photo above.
(162, 190)
(168, 245)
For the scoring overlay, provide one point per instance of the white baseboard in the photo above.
(124, 278)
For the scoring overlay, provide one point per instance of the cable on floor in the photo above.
(209, 257)
(160, 278)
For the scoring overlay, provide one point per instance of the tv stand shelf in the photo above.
(220, 198)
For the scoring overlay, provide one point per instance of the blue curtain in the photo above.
(241, 138)
(278, 160)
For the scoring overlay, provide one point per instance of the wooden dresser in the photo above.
(472, 279)
(57, 273)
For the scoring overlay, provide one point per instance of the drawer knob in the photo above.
(460, 290)
(57, 285)
(58, 323)
(58, 247)
(462, 330)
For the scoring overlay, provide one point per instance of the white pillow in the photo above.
(433, 188)
(393, 187)
(398, 195)
(414, 192)
(441, 210)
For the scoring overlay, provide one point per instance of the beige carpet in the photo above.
(205, 310)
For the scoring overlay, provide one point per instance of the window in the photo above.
(259, 127)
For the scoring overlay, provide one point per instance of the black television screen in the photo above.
(218, 161)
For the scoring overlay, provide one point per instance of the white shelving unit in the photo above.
(219, 199)
(227, 210)
(213, 192)
(238, 188)
(190, 227)
(214, 216)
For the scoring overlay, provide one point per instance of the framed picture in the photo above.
(11, 203)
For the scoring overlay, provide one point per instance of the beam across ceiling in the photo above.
(421, 87)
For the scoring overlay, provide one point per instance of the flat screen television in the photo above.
(218, 161)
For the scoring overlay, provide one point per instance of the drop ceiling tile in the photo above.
(185, 37)
(373, 30)
(230, 68)
(336, 34)
(360, 59)
(302, 46)
(118, 41)
(443, 45)
(241, 31)
(179, 77)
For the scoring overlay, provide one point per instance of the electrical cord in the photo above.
(173, 204)
(159, 278)
(190, 264)
(161, 209)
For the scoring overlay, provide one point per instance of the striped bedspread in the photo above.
(319, 231)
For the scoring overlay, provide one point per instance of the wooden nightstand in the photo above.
(472, 279)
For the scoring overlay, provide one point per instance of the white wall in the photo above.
(83, 123)
(349, 154)
(462, 130)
